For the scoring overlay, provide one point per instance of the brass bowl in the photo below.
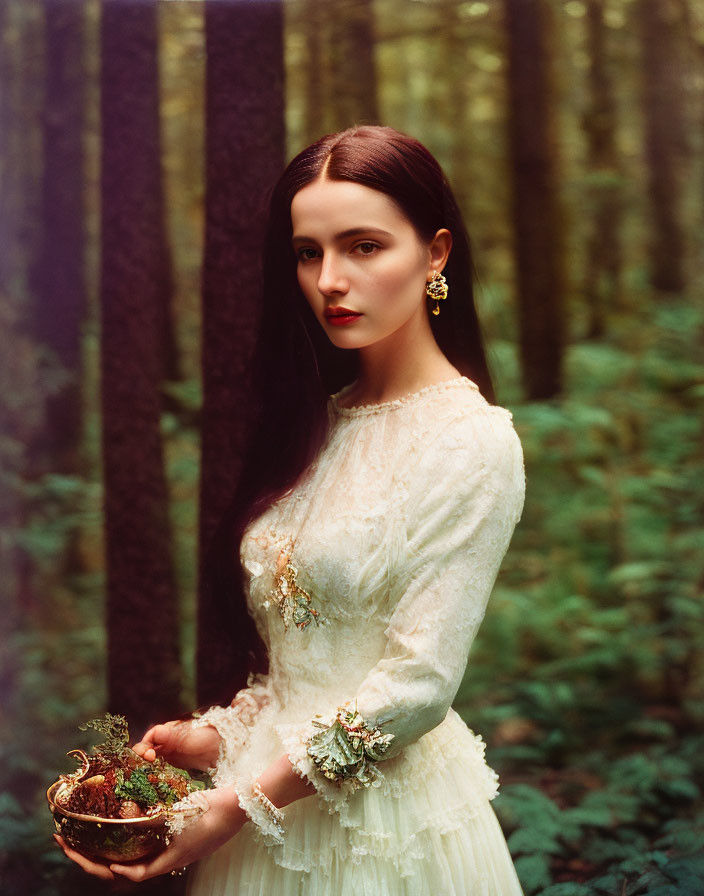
(114, 839)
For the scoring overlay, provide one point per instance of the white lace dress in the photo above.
(400, 527)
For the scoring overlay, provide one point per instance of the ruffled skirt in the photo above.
(429, 830)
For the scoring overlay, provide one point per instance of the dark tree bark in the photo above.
(59, 270)
(340, 65)
(537, 222)
(693, 59)
(312, 27)
(665, 138)
(7, 202)
(142, 612)
(603, 262)
(245, 140)
(11, 435)
(8, 496)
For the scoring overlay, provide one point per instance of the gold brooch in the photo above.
(294, 602)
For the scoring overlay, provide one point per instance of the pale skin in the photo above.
(358, 250)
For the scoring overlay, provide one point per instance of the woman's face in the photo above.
(361, 265)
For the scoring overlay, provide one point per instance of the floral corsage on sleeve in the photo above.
(348, 749)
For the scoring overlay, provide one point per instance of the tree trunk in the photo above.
(665, 139)
(142, 612)
(453, 113)
(245, 140)
(23, 384)
(59, 271)
(312, 26)
(603, 262)
(21, 97)
(352, 94)
(536, 217)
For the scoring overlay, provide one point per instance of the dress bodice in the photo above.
(398, 529)
(397, 487)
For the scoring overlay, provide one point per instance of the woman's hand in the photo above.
(199, 839)
(181, 744)
(92, 866)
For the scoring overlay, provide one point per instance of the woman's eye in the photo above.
(366, 248)
(306, 254)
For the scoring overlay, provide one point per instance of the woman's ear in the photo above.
(440, 250)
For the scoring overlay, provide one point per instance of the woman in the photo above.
(371, 528)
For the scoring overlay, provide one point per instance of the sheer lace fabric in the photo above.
(399, 530)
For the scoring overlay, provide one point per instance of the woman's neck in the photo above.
(407, 361)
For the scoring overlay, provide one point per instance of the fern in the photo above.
(115, 731)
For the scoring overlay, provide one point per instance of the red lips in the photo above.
(339, 311)
(338, 316)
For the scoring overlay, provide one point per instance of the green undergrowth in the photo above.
(587, 677)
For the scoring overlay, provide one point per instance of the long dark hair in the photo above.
(296, 368)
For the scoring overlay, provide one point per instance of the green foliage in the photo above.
(14, 825)
(586, 677)
(568, 889)
(188, 394)
(138, 788)
(115, 731)
(166, 793)
(617, 825)
(534, 872)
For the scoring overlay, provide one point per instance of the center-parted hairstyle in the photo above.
(296, 367)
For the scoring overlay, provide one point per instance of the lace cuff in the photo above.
(233, 723)
(348, 749)
(183, 813)
(260, 810)
(234, 733)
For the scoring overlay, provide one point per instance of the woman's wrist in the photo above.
(226, 802)
(282, 784)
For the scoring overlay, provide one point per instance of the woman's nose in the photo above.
(332, 278)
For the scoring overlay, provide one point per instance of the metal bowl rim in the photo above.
(141, 820)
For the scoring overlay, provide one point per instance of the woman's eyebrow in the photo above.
(344, 234)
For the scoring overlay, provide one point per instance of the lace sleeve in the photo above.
(465, 498)
(233, 722)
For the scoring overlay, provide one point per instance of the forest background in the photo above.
(137, 143)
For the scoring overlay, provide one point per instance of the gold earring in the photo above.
(437, 290)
